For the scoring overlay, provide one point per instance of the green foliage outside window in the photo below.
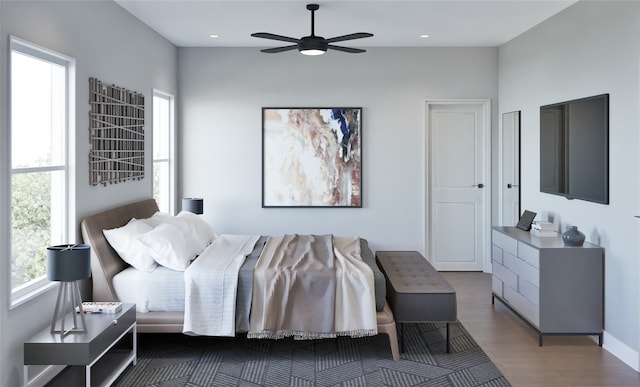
(31, 226)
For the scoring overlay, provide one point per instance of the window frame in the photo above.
(172, 149)
(24, 292)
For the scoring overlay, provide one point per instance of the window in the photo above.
(39, 134)
(163, 151)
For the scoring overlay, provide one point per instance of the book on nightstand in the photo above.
(102, 307)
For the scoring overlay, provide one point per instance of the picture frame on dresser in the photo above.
(311, 157)
(525, 220)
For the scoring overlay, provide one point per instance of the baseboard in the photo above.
(617, 348)
(45, 376)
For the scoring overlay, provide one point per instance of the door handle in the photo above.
(479, 185)
(512, 185)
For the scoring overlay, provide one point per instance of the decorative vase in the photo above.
(573, 237)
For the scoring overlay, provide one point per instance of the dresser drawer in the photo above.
(529, 254)
(505, 275)
(522, 269)
(529, 291)
(525, 307)
(496, 253)
(506, 243)
(496, 286)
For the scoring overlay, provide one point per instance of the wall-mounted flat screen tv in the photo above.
(574, 149)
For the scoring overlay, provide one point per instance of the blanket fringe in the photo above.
(297, 335)
(359, 333)
(301, 335)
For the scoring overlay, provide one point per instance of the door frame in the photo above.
(486, 237)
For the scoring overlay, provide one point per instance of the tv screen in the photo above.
(574, 149)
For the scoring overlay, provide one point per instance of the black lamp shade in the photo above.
(68, 262)
(195, 205)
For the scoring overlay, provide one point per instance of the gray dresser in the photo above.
(558, 290)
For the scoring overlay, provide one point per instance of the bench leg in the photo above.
(448, 346)
(401, 325)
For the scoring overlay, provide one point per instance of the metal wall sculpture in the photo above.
(116, 134)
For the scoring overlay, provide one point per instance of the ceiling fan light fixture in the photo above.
(312, 52)
(312, 45)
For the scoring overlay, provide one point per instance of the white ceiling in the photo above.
(449, 23)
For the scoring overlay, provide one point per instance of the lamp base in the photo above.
(68, 293)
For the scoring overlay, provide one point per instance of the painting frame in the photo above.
(312, 157)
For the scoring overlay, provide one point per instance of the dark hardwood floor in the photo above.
(513, 345)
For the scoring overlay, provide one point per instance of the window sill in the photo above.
(26, 297)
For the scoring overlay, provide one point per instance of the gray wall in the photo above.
(223, 89)
(130, 55)
(590, 48)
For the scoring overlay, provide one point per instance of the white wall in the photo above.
(223, 90)
(130, 55)
(590, 48)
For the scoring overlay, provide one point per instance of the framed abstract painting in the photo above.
(312, 157)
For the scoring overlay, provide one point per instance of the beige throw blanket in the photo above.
(312, 286)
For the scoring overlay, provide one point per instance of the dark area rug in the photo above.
(176, 360)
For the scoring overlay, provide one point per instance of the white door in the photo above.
(458, 177)
(510, 181)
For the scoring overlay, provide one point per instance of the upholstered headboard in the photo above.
(105, 262)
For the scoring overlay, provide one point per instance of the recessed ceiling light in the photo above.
(424, 36)
(214, 36)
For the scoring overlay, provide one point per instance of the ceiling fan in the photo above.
(312, 44)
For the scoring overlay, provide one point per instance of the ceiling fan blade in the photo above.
(276, 50)
(350, 50)
(357, 35)
(266, 35)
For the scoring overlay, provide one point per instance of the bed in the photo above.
(110, 270)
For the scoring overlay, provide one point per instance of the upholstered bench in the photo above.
(416, 292)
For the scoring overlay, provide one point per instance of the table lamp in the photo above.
(68, 264)
(195, 205)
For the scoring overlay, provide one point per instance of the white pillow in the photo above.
(158, 218)
(196, 231)
(196, 226)
(124, 241)
(169, 247)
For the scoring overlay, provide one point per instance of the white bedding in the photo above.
(164, 289)
(211, 282)
(161, 290)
